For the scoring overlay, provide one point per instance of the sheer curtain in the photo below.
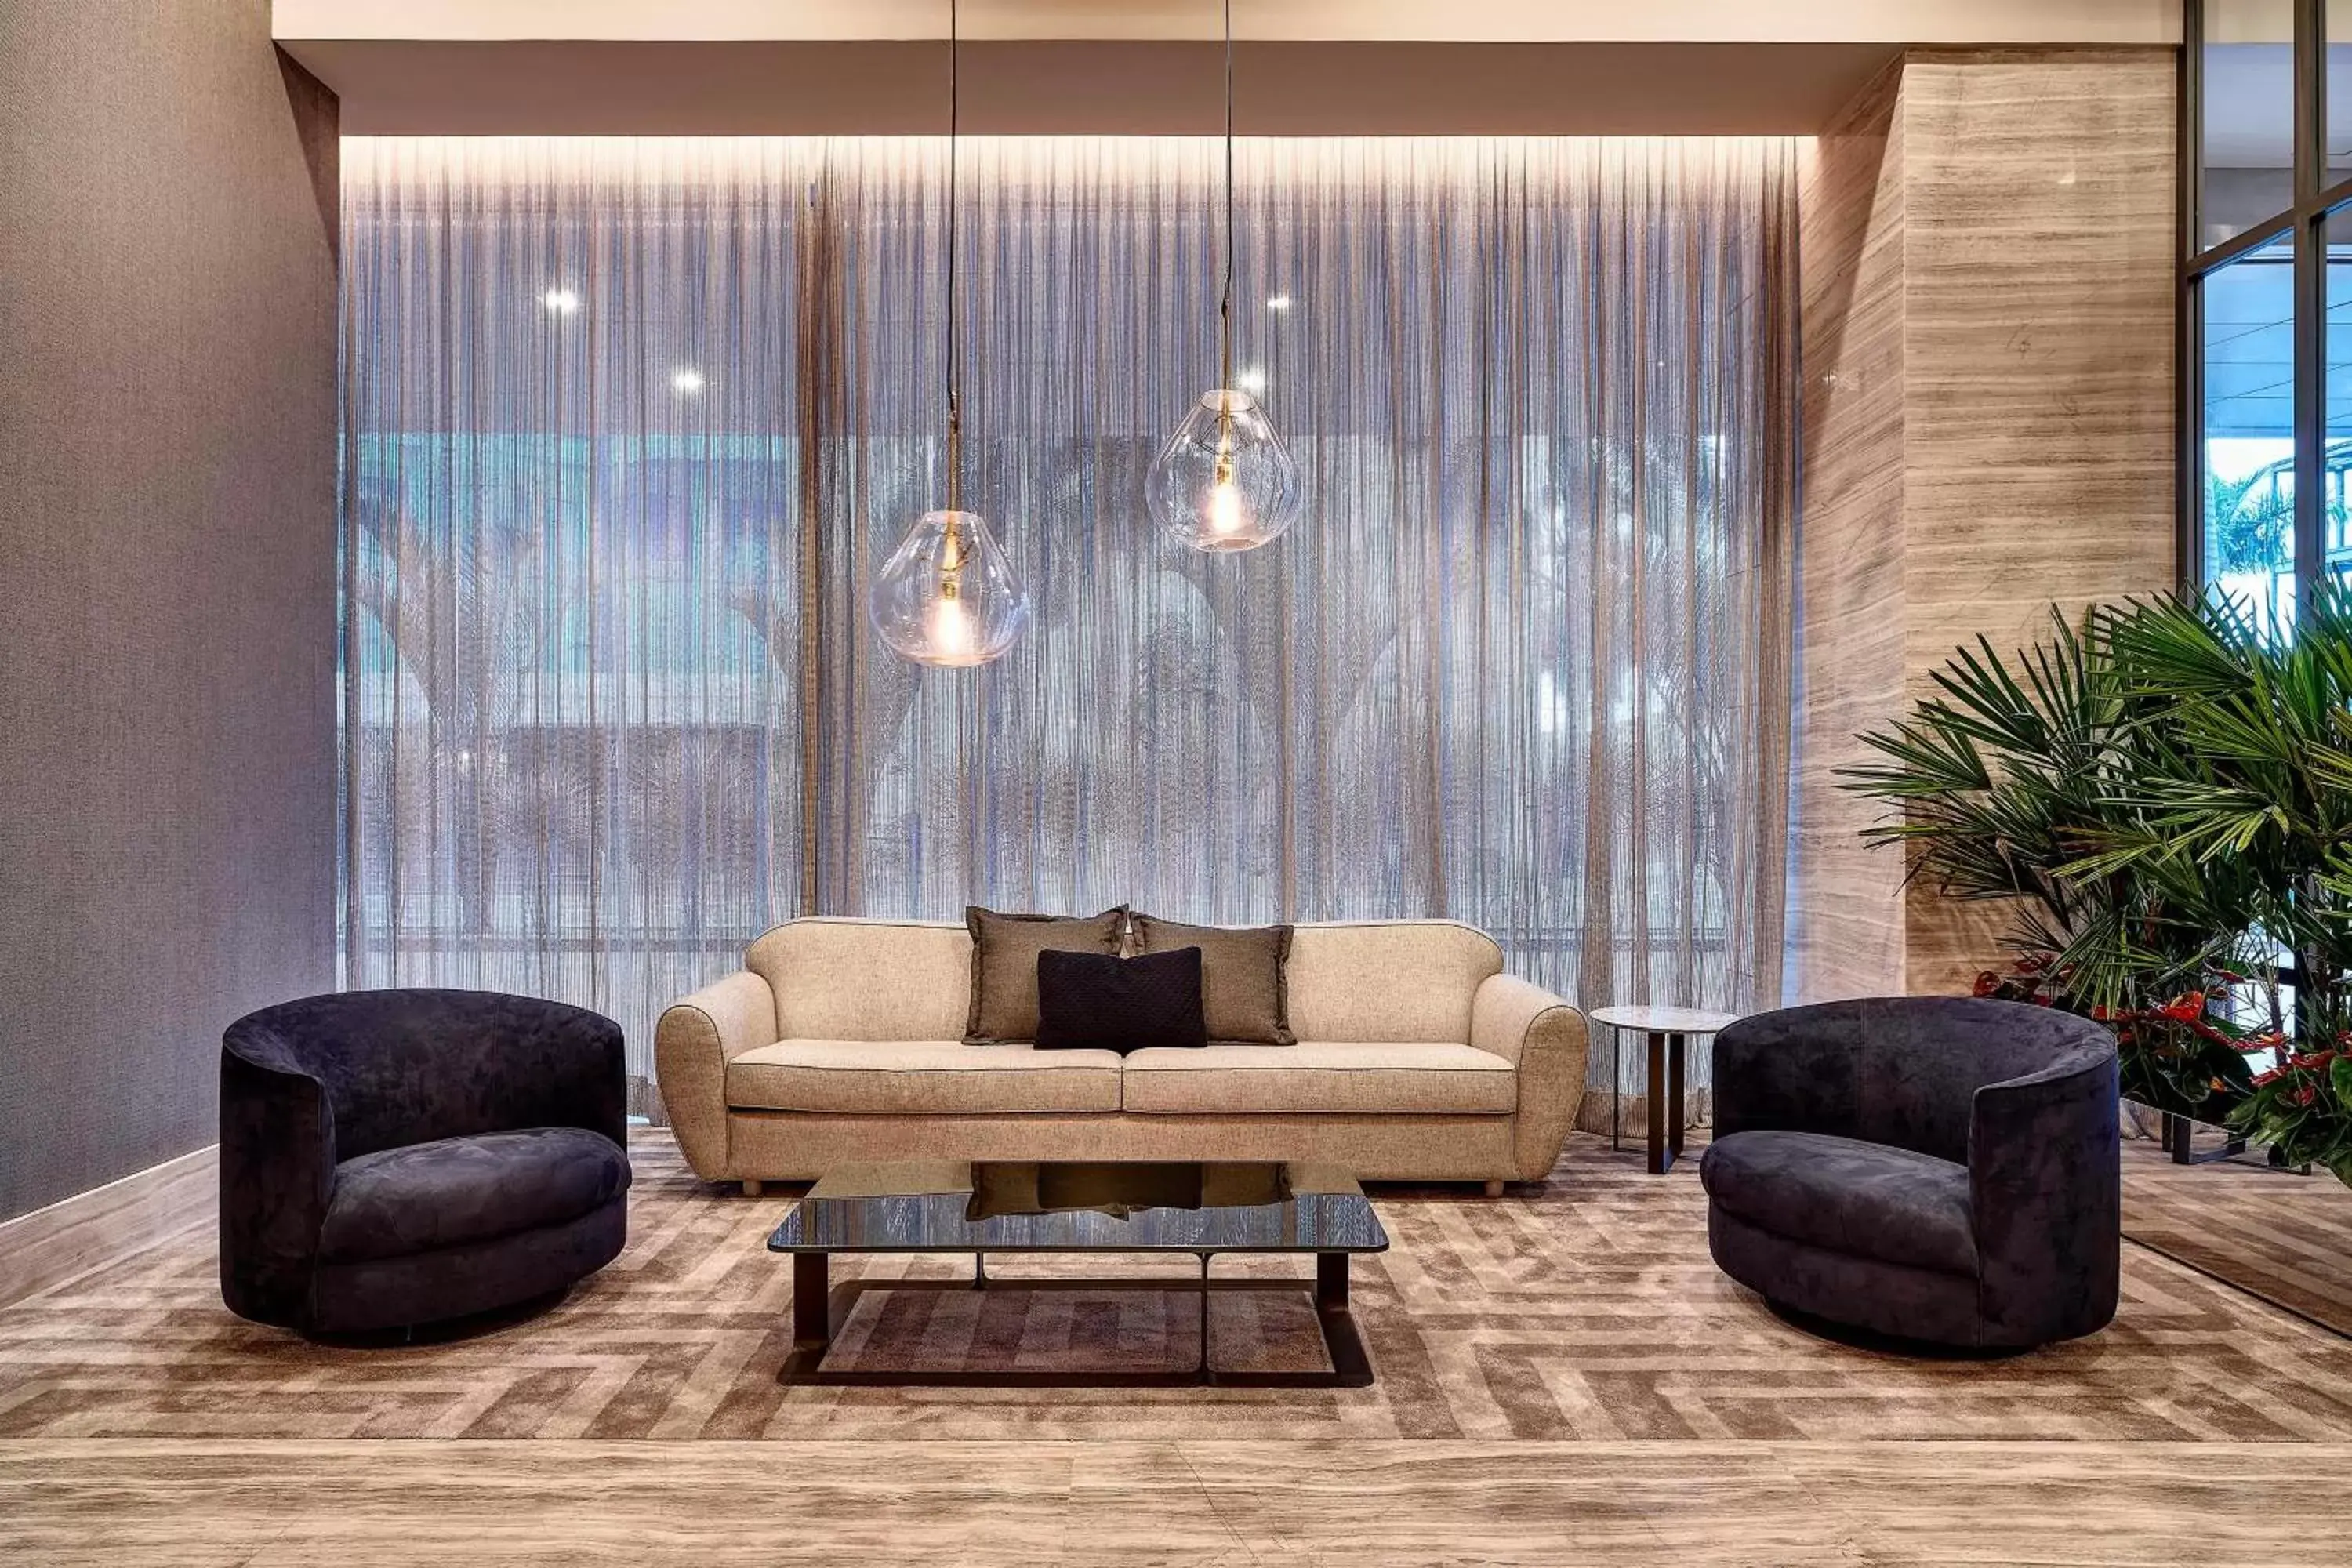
(629, 425)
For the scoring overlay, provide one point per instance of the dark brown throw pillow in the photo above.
(1088, 1001)
(1244, 984)
(1004, 950)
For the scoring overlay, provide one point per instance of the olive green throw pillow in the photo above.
(1004, 950)
(1244, 986)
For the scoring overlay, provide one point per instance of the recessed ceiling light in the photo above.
(562, 301)
(687, 380)
(1279, 302)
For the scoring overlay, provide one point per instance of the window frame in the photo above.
(2306, 223)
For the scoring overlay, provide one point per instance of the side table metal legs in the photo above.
(1665, 1096)
(1667, 1053)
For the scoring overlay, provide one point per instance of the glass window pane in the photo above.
(2339, 92)
(2249, 107)
(2337, 333)
(2249, 458)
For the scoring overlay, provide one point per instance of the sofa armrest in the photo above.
(276, 1175)
(1545, 1038)
(692, 1045)
(2045, 1191)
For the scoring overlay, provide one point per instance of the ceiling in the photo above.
(1044, 87)
(1146, 68)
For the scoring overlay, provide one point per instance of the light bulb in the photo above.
(950, 629)
(947, 595)
(1224, 481)
(1225, 510)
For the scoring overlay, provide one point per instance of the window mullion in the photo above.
(2310, 402)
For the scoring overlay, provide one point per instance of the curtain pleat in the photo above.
(629, 425)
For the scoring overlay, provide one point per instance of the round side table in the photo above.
(1669, 1030)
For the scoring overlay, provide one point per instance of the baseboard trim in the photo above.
(89, 1230)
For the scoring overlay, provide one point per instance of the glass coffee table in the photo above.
(980, 1207)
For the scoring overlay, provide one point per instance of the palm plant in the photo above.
(2002, 786)
(2247, 818)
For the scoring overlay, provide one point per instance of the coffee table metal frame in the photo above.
(819, 1310)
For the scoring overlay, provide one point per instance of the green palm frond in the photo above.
(2161, 796)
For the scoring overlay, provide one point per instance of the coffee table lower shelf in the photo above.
(820, 1311)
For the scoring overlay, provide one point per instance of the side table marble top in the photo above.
(1664, 1020)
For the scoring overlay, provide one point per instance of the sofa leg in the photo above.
(750, 1188)
(1493, 1189)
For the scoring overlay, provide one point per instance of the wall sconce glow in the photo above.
(1251, 381)
(688, 381)
(1279, 302)
(561, 301)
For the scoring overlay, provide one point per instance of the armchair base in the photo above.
(1899, 1300)
(461, 1281)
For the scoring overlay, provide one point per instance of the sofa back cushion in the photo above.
(1388, 980)
(837, 979)
(1243, 975)
(1005, 948)
(866, 980)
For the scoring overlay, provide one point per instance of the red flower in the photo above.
(2041, 1000)
(2185, 1008)
(2101, 1013)
(2031, 963)
(2303, 1094)
(1987, 983)
(2264, 1080)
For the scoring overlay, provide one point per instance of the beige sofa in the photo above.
(1418, 1060)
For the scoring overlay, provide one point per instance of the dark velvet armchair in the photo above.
(1927, 1168)
(390, 1158)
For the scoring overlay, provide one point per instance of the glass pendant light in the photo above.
(948, 595)
(1224, 480)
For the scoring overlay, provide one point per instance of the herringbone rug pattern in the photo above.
(1584, 1308)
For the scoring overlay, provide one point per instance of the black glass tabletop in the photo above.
(1082, 1206)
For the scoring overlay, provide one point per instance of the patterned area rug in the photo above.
(1585, 1308)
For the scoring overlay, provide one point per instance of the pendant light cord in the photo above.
(954, 369)
(1225, 300)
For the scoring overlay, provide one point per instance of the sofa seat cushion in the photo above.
(1321, 1077)
(454, 1190)
(1865, 1200)
(921, 1078)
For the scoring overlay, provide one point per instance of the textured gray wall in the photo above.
(167, 568)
